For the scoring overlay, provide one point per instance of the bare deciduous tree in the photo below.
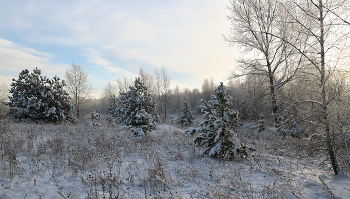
(148, 80)
(318, 22)
(109, 90)
(78, 85)
(4, 93)
(207, 88)
(159, 90)
(254, 22)
(162, 87)
(124, 83)
(166, 87)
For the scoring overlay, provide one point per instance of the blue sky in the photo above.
(112, 39)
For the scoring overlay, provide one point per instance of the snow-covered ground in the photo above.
(77, 161)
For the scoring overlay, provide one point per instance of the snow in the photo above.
(73, 161)
(237, 146)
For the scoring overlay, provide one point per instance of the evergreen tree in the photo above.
(112, 105)
(217, 130)
(289, 124)
(243, 108)
(185, 117)
(261, 123)
(135, 108)
(39, 98)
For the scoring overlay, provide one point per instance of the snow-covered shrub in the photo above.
(243, 108)
(185, 117)
(261, 123)
(134, 109)
(92, 124)
(39, 98)
(289, 123)
(218, 130)
(95, 115)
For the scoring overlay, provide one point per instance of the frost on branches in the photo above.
(112, 105)
(217, 130)
(39, 98)
(289, 124)
(134, 109)
(185, 117)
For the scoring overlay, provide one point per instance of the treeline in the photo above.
(169, 100)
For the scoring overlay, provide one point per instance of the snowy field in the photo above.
(77, 161)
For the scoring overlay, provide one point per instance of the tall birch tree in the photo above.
(325, 29)
(78, 85)
(254, 22)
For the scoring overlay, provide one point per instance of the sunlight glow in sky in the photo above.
(112, 39)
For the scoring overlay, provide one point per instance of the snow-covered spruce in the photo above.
(185, 117)
(217, 130)
(261, 123)
(112, 105)
(39, 98)
(94, 115)
(134, 109)
(289, 124)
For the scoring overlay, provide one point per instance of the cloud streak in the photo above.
(15, 58)
(95, 57)
(183, 36)
(117, 70)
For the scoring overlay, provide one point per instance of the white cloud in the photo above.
(117, 70)
(10, 45)
(15, 58)
(182, 36)
(95, 57)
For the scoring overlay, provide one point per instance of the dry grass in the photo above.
(107, 162)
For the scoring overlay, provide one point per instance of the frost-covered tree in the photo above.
(185, 117)
(109, 90)
(243, 108)
(135, 108)
(253, 24)
(261, 123)
(39, 98)
(289, 124)
(112, 105)
(4, 90)
(95, 115)
(162, 88)
(217, 130)
(78, 85)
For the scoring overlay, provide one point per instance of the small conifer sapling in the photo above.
(134, 109)
(217, 133)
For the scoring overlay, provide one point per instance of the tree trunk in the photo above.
(330, 146)
(273, 95)
(77, 103)
(165, 104)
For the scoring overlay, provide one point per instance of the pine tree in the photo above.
(243, 108)
(261, 123)
(217, 130)
(185, 117)
(112, 105)
(135, 108)
(289, 124)
(39, 98)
